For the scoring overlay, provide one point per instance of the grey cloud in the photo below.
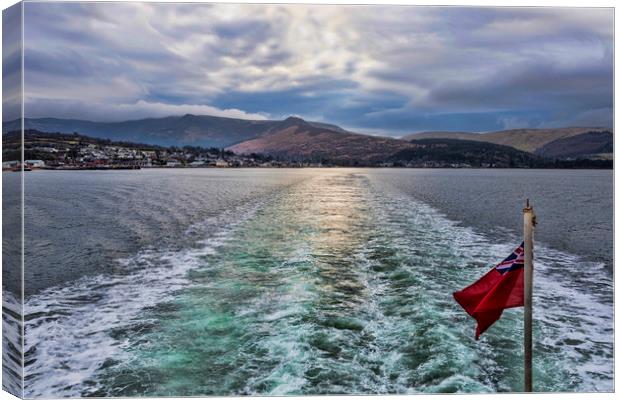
(526, 86)
(256, 29)
(423, 61)
(602, 117)
(11, 63)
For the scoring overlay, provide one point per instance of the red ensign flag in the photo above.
(500, 288)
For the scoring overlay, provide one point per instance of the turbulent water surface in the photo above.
(327, 281)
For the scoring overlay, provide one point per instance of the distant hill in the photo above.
(585, 145)
(13, 140)
(75, 151)
(294, 140)
(529, 140)
(195, 130)
(441, 135)
(37, 143)
(297, 139)
(428, 152)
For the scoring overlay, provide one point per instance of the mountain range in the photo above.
(303, 140)
(295, 138)
(189, 129)
(529, 140)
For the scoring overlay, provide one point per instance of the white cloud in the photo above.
(140, 109)
(513, 122)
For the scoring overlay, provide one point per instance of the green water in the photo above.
(337, 285)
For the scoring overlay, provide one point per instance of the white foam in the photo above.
(11, 343)
(68, 328)
(571, 298)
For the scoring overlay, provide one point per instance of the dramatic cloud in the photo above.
(11, 63)
(378, 69)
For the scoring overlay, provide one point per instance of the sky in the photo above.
(386, 70)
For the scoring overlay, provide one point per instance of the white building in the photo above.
(10, 164)
(221, 163)
(35, 163)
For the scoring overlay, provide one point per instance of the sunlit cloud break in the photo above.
(388, 69)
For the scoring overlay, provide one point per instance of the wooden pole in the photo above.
(529, 221)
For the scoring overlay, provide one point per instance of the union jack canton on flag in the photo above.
(498, 289)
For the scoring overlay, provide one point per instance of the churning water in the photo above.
(330, 281)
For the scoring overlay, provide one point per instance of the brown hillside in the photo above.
(523, 139)
(305, 141)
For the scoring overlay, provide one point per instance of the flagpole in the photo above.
(529, 220)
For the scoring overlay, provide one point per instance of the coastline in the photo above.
(125, 168)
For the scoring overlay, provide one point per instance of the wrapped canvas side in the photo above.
(12, 201)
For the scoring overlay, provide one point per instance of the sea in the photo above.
(195, 282)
